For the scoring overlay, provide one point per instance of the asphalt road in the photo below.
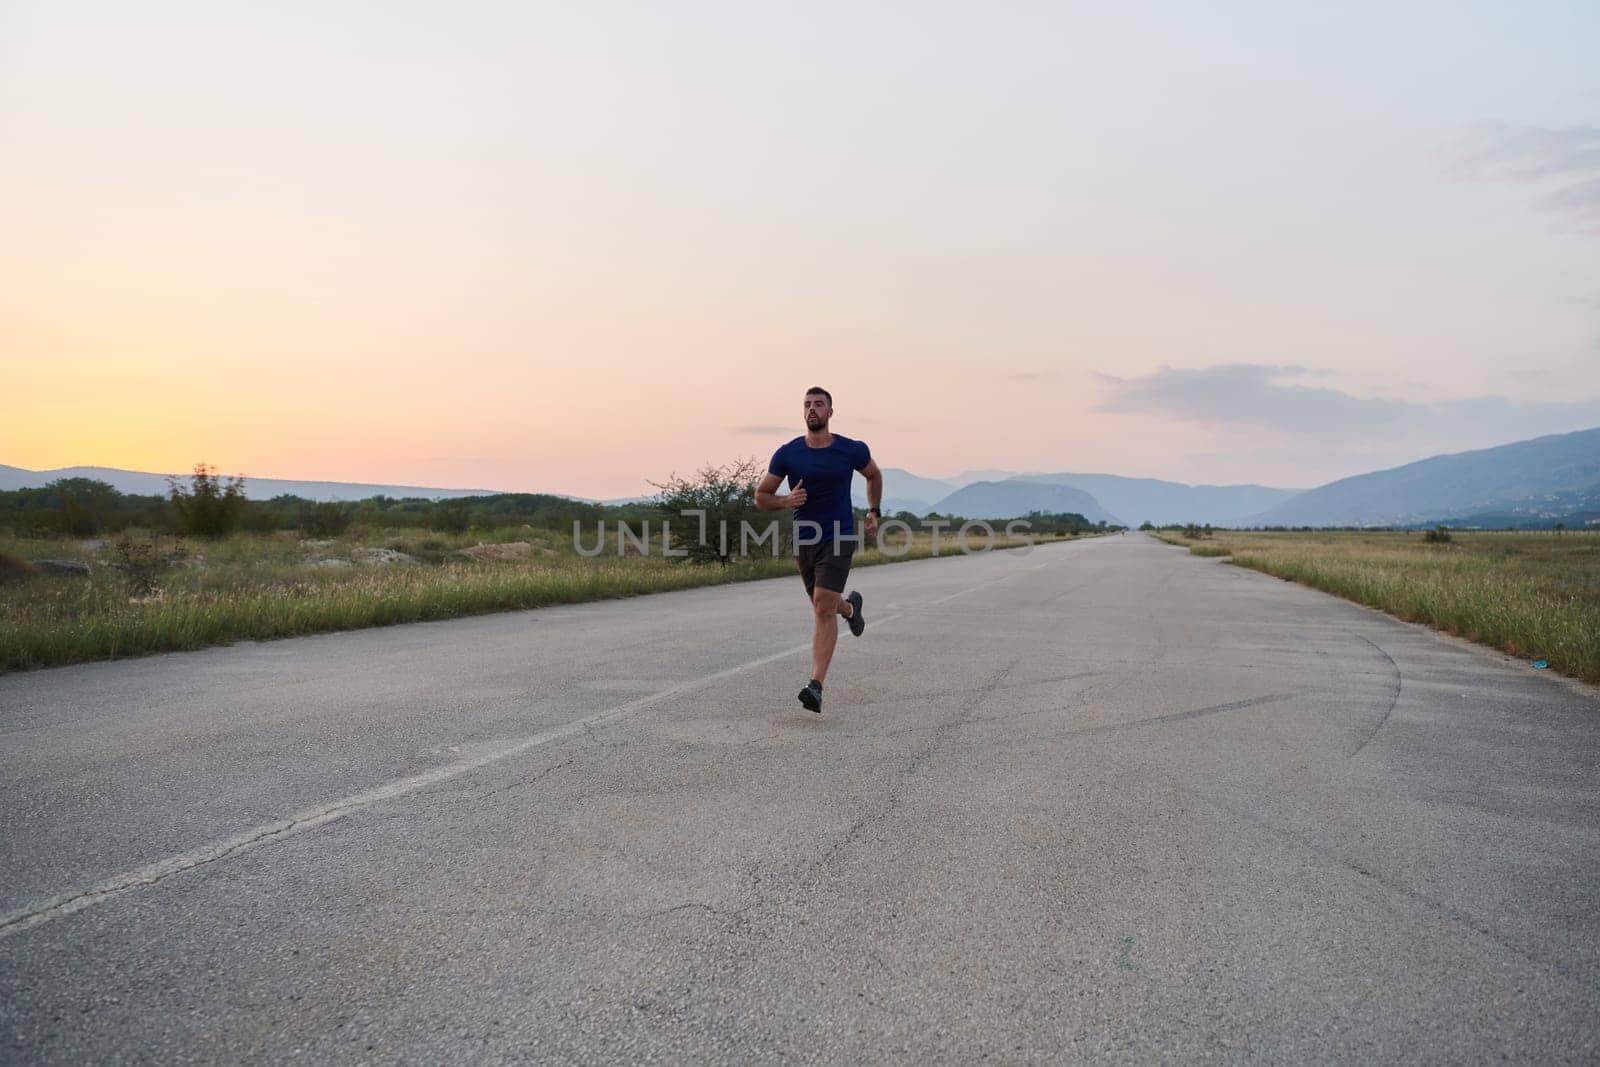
(1106, 800)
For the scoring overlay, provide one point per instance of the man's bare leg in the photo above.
(827, 606)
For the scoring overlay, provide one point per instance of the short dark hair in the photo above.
(815, 389)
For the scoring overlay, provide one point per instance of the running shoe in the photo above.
(857, 623)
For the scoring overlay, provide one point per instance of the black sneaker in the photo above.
(811, 696)
(857, 623)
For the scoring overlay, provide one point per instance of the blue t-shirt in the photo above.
(825, 474)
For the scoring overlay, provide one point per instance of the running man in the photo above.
(818, 466)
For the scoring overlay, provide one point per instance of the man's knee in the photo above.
(825, 602)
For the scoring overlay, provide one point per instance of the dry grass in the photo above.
(259, 586)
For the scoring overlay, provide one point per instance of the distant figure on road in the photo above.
(819, 466)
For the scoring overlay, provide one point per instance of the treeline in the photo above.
(210, 506)
(1063, 523)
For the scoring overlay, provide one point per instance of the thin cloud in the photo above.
(1252, 394)
(1567, 159)
(764, 431)
(1263, 397)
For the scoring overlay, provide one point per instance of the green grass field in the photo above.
(257, 586)
(1535, 595)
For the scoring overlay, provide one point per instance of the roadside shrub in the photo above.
(727, 496)
(209, 506)
(327, 519)
(144, 560)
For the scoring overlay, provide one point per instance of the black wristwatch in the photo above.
(875, 511)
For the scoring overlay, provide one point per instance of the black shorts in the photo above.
(826, 564)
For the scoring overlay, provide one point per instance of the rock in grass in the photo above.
(382, 555)
(14, 568)
(63, 568)
(511, 550)
(331, 562)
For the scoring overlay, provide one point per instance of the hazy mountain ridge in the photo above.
(145, 483)
(1011, 498)
(1161, 502)
(1133, 499)
(905, 491)
(1542, 479)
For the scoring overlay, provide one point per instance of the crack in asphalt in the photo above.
(1399, 889)
(978, 691)
(913, 763)
(525, 782)
(1394, 698)
(1155, 720)
(792, 737)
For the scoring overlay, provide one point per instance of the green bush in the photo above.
(210, 506)
(144, 560)
(451, 518)
(258, 519)
(727, 496)
(327, 519)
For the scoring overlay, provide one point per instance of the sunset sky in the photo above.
(575, 247)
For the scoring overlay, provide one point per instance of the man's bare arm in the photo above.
(769, 499)
(874, 478)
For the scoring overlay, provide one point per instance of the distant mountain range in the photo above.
(1140, 499)
(1547, 478)
(1538, 482)
(1008, 499)
(143, 483)
(1126, 501)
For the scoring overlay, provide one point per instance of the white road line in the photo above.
(66, 904)
(311, 818)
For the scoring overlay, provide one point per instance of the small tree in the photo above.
(85, 503)
(210, 506)
(144, 560)
(727, 496)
